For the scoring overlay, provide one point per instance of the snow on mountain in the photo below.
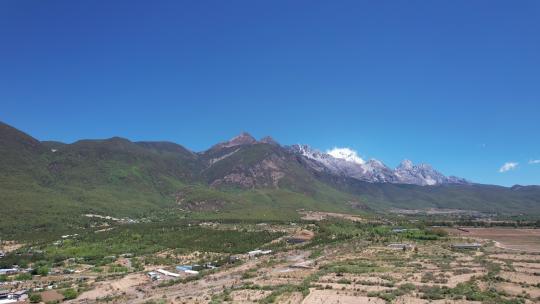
(421, 174)
(346, 162)
(346, 154)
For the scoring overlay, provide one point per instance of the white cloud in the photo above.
(346, 154)
(508, 166)
(534, 161)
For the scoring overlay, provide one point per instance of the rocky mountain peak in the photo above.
(269, 140)
(346, 154)
(345, 162)
(406, 164)
(241, 139)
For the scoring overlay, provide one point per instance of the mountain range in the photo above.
(346, 163)
(47, 185)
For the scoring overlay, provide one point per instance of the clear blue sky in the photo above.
(451, 83)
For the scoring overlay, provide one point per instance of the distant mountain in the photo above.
(47, 186)
(240, 140)
(374, 171)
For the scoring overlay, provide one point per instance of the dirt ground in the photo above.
(110, 288)
(338, 297)
(527, 240)
(348, 272)
(9, 246)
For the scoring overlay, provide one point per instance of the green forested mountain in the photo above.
(50, 185)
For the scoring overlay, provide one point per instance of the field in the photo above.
(334, 258)
(527, 240)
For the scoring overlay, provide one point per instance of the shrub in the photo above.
(70, 294)
(23, 277)
(34, 298)
(42, 270)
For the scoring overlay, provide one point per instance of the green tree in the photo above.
(43, 271)
(23, 277)
(35, 298)
(70, 294)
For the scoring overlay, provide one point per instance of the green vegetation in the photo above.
(149, 238)
(391, 294)
(469, 290)
(353, 266)
(46, 193)
(143, 239)
(34, 298)
(70, 294)
(23, 277)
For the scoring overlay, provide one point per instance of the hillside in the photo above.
(48, 186)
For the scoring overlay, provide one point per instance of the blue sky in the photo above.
(451, 83)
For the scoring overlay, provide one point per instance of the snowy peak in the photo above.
(422, 174)
(346, 162)
(346, 154)
(405, 165)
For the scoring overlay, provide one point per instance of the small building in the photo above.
(168, 273)
(4, 294)
(294, 241)
(400, 246)
(209, 265)
(184, 268)
(233, 259)
(8, 271)
(2, 254)
(153, 276)
(470, 246)
(193, 272)
(399, 230)
(258, 252)
(16, 297)
(254, 253)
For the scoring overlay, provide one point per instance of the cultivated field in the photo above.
(527, 240)
(333, 260)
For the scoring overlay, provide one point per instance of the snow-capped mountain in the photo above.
(345, 162)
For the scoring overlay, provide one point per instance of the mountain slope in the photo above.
(48, 186)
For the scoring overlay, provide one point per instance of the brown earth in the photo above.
(527, 240)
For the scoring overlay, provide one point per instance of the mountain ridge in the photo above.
(375, 171)
(48, 185)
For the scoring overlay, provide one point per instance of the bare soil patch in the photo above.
(516, 289)
(9, 246)
(341, 297)
(507, 238)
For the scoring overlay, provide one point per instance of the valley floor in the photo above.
(330, 261)
(352, 272)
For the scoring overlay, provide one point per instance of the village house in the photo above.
(473, 246)
(7, 297)
(168, 273)
(8, 271)
(400, 246)
(258, 252)
(153, 276)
